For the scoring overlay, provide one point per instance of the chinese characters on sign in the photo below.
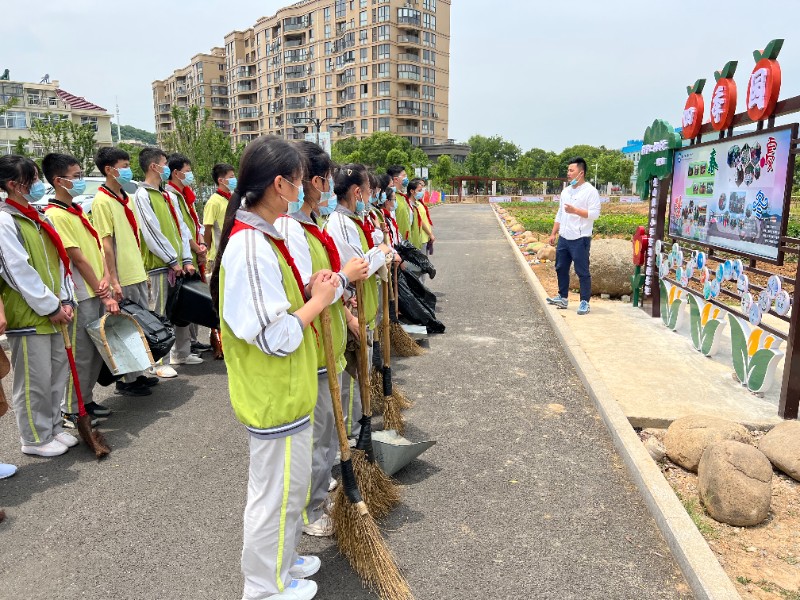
(764, 85)
(648, 280)
(758, 89)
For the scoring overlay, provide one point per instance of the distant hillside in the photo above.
(134, 133)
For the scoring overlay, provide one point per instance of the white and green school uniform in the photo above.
(33, 285)
(310, 256)
(351, 242)
(272, 380)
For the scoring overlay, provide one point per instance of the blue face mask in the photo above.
(77, 189)
(125, 175)
(331, 206)
(393, 188)
(360, 206)
(36, 192)
(383, 198)
(294, 207)
(405, 182)
(419, 195)
(165, 172)
(301, 194)
(232, 181)
(574, 181)
(188, 178)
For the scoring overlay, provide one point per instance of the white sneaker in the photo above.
(322, 527)
(52, 448)
(166, 372)
(189, 360)
(305, 567)
(333, 484)
(68, 440)
(7, 470)
(299, 589)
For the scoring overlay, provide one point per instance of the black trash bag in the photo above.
(413, 309)
(158, 331)
(423, 294)
(416, 257)
(189, 301)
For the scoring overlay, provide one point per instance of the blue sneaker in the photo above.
(583, 308)
(558, 301)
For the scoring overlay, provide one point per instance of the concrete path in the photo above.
(523, 497)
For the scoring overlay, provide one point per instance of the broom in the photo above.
(402, 343)
(392, 419)
(93, 439)
(357, 533)
(378, 490)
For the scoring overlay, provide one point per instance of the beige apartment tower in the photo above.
(202, 83)
(368, 65)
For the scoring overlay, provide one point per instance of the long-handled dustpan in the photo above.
(393, 451)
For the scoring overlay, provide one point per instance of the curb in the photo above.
(697, 562)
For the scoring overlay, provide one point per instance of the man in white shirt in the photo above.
(579, 207)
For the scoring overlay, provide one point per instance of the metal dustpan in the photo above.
(120, 341)
(415, 331)
(393, 451)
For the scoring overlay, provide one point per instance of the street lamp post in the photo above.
(595, 174)
(317, 123)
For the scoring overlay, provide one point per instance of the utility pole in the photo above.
(595, 174)
(119, 131)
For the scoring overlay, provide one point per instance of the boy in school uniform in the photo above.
(116, 225)
(164, 254)
(402, 213)
(215, 209)
(183, 198)
(89, 276)
(36, 289)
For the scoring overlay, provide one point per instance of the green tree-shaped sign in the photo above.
(658, 150)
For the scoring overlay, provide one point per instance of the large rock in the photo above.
(611, 266)
(782, 447)
(688, 437)
(735, 483)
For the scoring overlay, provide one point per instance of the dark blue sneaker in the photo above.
(558, 301)
(583, 308)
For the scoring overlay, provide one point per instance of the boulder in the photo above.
(517, 228)
(611, 267)
(781, 445)
(735, 483)
(655, 448)
(546, 253)
(688, 437)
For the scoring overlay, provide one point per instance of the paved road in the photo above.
(518, 499)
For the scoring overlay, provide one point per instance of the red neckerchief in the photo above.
(33, 214)
(190, 197)
(327, 242)
(226, 195)
(367, 228)
(167, 199)
(427, 212)
(77, 210)
(388, 215)
(128, 212)
(281, 246)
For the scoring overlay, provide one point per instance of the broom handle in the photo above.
(333, 384)
(386, 345)
(363, 352)
(396, 294)
(74, 368)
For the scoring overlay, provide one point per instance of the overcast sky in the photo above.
(541, 73)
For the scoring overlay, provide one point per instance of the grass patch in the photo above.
(695, 512)
(743, 580)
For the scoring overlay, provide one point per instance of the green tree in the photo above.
(21, 146)
(613, 167)
(376, 151)
(63, 135)
(491, 156)
(443, 170)
(202, 142)
(133, 151)
(129, 132)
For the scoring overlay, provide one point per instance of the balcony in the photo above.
(409, 75)
(248, 113)
(294, 90)
(408, 94)
(295, 26)
(180, 91)
(245, 88)
(408, 129)
(408, 111)
(248, 100)
(246, 73)
(408, 39)
(295, 42)
(415, 21)
(164, 108)
(296, 103)
(408, 57)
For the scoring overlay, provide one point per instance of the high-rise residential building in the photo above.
(202, 83)
(45, 101)
(367, 65)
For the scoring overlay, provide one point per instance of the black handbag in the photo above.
(158, 331)
(189, 301)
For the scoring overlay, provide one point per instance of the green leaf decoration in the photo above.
(771, 51)
(674, 313)
(709, 333)
(762, 366)
(694, 323)
(727, 72)
(647, 169)
(738, 348)
(697, 88)
(664, 303)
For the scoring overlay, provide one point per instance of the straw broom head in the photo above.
(378, 490)
(402, 343)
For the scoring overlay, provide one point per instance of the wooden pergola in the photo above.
(479, 181)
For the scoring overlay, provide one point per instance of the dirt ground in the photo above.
(762, 561)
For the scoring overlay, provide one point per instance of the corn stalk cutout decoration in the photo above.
(755, 354)
(706, 323)
(673, 299)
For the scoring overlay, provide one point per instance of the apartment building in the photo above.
(45, 101)
(202, 83)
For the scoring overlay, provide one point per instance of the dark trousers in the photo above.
(575, 252)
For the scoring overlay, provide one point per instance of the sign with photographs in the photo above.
(734, 194)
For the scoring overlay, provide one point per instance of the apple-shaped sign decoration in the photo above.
(765, 82)
(723, 99)
(693, 110)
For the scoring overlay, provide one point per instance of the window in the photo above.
(326, 13)
(380, 52)
(328, 113)
(382, 107)
(364, 54)
(362, 4)
(364, 73)
(364, 125)
(327, 34)
(407, 107)
(381, 14)
(363, 36)
(328, 98)
(380, 34)
(408, 16)
(380, 70)
(383, 88)
(428, 57)
(328, 82)
(429, 5)
(362, 18)
(383, 124)
(341, 9)
(428, 39)
(405, 71)
(429, 21)
(14, 119)
(427, 74)
(364, 108)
